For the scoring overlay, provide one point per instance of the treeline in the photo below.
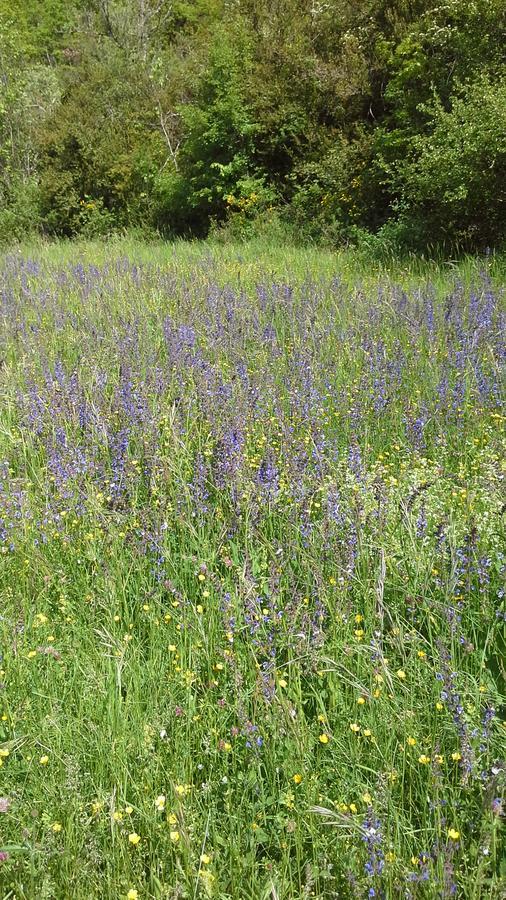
(330, 120)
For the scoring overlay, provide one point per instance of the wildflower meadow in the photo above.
(252, 573)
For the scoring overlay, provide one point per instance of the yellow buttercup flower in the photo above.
(354, 727)
(205, 859)
(44, 760)
(453, 834)
(324, 739)
(411, 741)
(134, 838)
(297, 778)
(174, 836)
(423, 759)
(133, 894)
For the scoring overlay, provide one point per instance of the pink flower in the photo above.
(4, 804)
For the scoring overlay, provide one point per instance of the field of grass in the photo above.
(252, 573)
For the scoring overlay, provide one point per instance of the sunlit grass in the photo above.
(252, 574)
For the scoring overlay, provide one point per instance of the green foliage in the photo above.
(19, 214)
(217, 156)
(41, 28)
(330, 196)
(453, 182)
(157, 112)
(96, 152)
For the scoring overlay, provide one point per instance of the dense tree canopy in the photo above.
(334, 118)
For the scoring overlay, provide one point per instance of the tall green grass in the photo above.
(151, 746)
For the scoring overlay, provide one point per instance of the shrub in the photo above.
(454, 177)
